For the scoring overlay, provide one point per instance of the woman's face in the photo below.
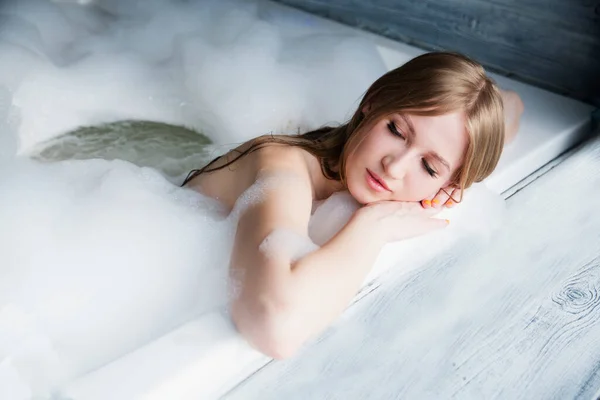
(411, 156)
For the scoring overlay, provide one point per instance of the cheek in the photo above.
(357, 190)
(418, 187)
(351, 173)
(430, 188)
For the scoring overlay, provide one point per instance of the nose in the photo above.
(396, 165)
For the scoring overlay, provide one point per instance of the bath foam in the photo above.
(226, 68)
(91, 246)
(8, 124)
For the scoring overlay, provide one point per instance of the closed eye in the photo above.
(395, 131)
(429, 170)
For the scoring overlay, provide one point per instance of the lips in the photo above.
(378, 180)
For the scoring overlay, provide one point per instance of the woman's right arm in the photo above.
(281, 303)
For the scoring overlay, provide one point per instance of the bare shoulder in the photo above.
(228, 183)
(277, 157)
(291, 190)
(286, 167)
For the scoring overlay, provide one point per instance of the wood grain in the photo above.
(518, 318)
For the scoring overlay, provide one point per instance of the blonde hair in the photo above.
(431, 84)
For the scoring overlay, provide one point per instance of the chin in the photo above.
(361, 201)
(361, 195)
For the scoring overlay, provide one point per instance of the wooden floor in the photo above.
(519, 319)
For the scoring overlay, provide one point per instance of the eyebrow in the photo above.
(435, 155)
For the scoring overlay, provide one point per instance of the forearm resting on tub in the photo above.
(305, 296)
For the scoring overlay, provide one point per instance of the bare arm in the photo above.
(283, 303)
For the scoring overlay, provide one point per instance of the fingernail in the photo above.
(447, 221)
(435, 202)
(427, 203)
(449, 203)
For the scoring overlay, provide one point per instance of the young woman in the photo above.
(422, 134)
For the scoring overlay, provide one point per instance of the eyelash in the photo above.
(395, 132)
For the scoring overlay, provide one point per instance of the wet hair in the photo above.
(432, 84)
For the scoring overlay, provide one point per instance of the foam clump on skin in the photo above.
(287, 244)
(330, 216)
(257, 192)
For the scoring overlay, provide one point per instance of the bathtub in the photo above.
(205, 359)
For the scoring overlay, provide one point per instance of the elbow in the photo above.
(267, 329)
(277, 346)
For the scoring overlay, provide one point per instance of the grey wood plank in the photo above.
(517, 319)
(552, 43)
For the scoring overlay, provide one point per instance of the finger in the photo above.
(415, 207)
(393, 206)
(456, 196)
(428, 211)
(426, 203)
(438, 223)
(441, 197)
(432, 211)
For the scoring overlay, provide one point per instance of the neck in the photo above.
(322, 186)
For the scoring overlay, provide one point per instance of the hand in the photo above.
(443, 198)
(396, 220)
(513, 109)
